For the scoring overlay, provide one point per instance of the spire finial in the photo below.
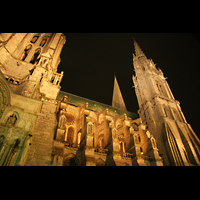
(138, 50)
(117, 100)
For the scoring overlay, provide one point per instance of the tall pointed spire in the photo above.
(117, 101)
(138, 50)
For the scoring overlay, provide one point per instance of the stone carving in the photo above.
(12, 120)
(62, 121)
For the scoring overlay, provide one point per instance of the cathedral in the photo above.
(41, 125)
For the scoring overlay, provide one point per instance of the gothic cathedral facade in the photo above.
(40, 125)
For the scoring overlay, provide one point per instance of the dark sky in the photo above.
(89, 61)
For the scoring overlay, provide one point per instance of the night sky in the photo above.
(89, 61)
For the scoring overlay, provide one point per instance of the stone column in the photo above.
(89, 148)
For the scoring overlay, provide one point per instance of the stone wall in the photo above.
(40, 152)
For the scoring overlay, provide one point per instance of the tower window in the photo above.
(34, 39)
(35, 57)
(139, 139)
(177, 115)
(161, 88)
(43, 42)
(168, 112)
(26, 52)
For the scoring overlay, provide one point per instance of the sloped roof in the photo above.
(94, 105)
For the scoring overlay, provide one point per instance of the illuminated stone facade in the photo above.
(43, 126)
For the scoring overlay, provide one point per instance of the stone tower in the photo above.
(162, 115)
(28, 119)
(29, 62)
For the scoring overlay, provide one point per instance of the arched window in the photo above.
(121, 147)
(26, 52)
(101, 142)
(34, 39)
(168, 112)
(139, 139)
(79, 139)
(70, 135)
(43, 42)
(161, 88)
(177, 116)
(35, 57)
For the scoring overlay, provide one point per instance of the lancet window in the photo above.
(26, 52)
(177, 116)
(35, 57)
(70, 135)
(161, 89)
(79, 139)
(34, 39)
(43, 42)
(121, 147)
(168, 112)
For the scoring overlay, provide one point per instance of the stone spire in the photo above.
(117, 101)
(138, 50)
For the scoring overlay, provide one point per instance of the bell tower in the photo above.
(162, 114)
(29, 62)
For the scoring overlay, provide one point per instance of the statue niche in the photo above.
(66, 119)
(11, 120)
(62, 121)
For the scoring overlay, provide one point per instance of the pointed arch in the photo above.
(43, 42)
(35, 57)
(160, 87)
(177, 115)
(34, 39)
(70, 135)
(168, 112)
(26, 52)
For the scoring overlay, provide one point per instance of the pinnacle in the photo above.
(138, 50)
